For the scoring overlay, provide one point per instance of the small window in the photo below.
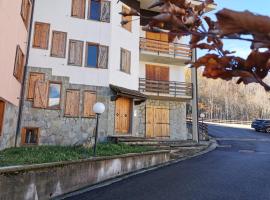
(75, 54)
(26, 11)
(78, 9)
(59, 44)
(33, 78)
(19, 64)
(2, 111)
(125, 60)
(89, 99)
(99, 10)
(54, 97)
(41, 35)
(72, 107)
(30, 136)
(128, 19)
(92, 55)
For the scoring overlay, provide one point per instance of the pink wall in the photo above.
(13, 33)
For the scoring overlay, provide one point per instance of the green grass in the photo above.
(47, 154)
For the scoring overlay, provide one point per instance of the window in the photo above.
(89, 99)
(26, 11)
(33, 78)
(78, 9)
(125, 60)
(2, 111)
(75, 54)
(99, 10)
(19, 64)
(30, 136)
(127, 26)
(96, 56)
(41, 35)
(54, 96)
(59, 44)
(72, 107)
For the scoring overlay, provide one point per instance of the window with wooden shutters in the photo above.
(41, 94)
(99, 10)
(125, 60)
(30, 136)
(127, 19)
(33, 78)
(78, 9)
(54, 95)
(19, 64)
(72, 107)
(89, 99)
(26, 11)
(97, 56)
(75, 54)
(103, 57)
(59, 44)
(2, 111)
(41, 35)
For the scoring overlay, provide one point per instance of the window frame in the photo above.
(48, 38)
(86, 55)
(83, 100)
(83, 12)
(58, 107)
(65, 43)
(26, 21)
(23, 136)
(69, 116)
(16, 67)
(71, 64)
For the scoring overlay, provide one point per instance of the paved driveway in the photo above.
(238, 169)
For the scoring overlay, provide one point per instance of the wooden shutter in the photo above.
(105, 11)
(41, 94)
(127, 26)
(103, 57)
(157, 73)
(78, 9)
(41, 35)
(2, 111)
(72, 108)
(75, 53)
(150, 72)
(59, 44)
(152, 36)
(125, 60)
(33, 78)
(26, 11)
(149, 121)
(19, 64)
(88, 102)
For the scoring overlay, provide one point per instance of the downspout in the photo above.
(22, 92)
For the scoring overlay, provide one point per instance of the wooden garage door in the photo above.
(122, 115)
(157, 121)
(2, 110)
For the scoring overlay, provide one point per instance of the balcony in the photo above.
(166, 89)
(163, 52)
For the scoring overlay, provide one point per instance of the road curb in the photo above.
(211, 147)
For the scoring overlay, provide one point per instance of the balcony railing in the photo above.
(175, 50)
(165, 88)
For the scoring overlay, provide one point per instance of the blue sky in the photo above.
(257, 6)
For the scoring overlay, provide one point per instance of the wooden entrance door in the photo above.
(123, 115)
(157, 121)
(2, 110)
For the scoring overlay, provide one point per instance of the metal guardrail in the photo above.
(170, 88)
(228, 121)
(203, 129)
(176, 50)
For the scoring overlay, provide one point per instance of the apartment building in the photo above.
(80, 54)
(15, 20)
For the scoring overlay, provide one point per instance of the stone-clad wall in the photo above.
(57, 129)
(7, 139)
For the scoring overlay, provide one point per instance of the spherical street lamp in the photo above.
(98, 108)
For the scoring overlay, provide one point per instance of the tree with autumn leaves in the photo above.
(182, 18)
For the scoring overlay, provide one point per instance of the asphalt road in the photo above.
(238, 169)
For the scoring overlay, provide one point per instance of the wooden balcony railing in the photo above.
(166, 88)
(171, 49)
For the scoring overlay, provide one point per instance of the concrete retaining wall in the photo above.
(43, 181)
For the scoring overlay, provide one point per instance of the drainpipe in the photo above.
(194, 78)
(22, 92)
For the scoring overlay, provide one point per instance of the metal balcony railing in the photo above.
(175, 50)
(166, 88)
